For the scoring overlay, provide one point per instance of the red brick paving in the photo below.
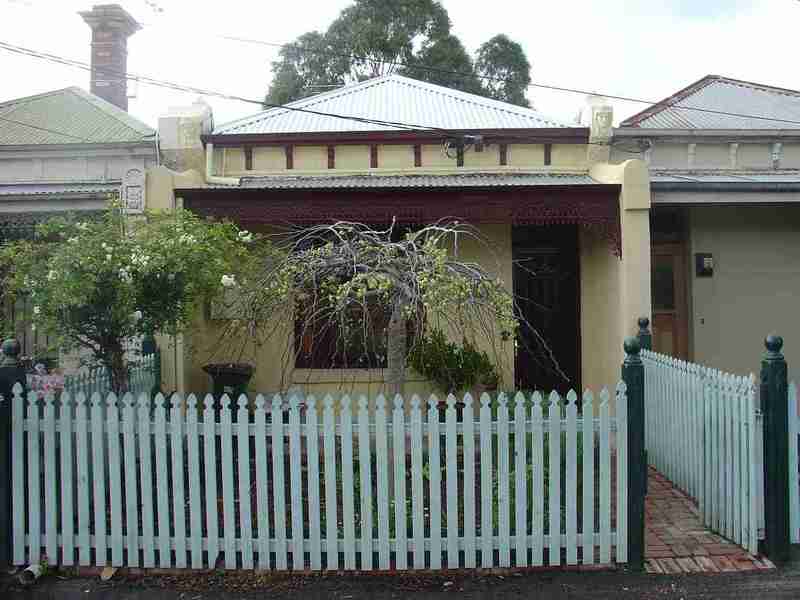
(676, 540)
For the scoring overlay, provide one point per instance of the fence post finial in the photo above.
(644, 335)
(775, 408)
(11, 373)
(633, 376)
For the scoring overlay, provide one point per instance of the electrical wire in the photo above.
(432, 69)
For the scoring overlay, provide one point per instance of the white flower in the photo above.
(108, 257)
(137, 316)
(33, 326)
(245, 236)
(228, 281)
(51, 275)
(72, 240)
(125, 275)
(82, 226)
(37, 310)
(187, 239)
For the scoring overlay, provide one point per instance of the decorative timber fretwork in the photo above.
(595, 208)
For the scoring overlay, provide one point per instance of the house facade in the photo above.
(567, 230)
(724, 161)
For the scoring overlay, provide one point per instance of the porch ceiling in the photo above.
(593, 206)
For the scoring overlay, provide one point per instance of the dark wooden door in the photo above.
(547, 288)
(670, 313)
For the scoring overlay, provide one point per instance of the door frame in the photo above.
(678, 251)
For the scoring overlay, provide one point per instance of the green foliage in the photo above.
(94, 284)
(370, 38)
(503, 63)
(452, 368)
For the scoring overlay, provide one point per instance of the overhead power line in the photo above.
(432, 69)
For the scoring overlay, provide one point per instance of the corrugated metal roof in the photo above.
(49, 189)
(725, 95)
(721, 177)
(67, 116)
(390, 98)
(465, 180)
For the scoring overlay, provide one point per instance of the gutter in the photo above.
(210, 177)
(725, 186)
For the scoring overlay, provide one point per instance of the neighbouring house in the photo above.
(725, 221)
(69, 150)
(571, 230)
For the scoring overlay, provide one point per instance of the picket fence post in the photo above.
(11, 372)
(633, 376)
(775, 408)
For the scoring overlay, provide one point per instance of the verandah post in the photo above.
(633, 376)
(775, 408)
(11, 372)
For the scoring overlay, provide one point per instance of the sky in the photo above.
(645, 49)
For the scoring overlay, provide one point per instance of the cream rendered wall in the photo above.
(667, 156)
(489, 157)
(269, 158)
(790, 156)
(755, 287)
(712, 156)
(310, 158)
(433, 156)
(527, 155)
(353, 157)
(632, 281)
(754, 156)
(600, 315)
(234, 160)
(396, 156)
(568, 155)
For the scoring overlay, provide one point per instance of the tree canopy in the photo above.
(412, 37)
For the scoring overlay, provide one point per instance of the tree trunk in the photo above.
(396, 351)
(118, 370)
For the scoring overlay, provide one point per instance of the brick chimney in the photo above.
(111, 27)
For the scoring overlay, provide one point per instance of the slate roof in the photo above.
(460, 180)
(744, 99)
(390, 98)
(68, 116)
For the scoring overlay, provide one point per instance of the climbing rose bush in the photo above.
(95, 283)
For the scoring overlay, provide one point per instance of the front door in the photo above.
(547, 289)
(670, 320)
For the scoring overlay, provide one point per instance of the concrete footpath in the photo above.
(783, 582)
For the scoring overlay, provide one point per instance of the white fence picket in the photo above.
(717, 458)
(67, 507)
(18, 500)
(794, 478)
(173, 472)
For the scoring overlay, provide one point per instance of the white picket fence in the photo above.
(142, 378)
(703, 431)
(794, 459)
(319, 485)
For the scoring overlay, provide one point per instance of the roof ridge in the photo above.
(758, 86)
(661, 105)
(303, 102)
(22, 99)
(477, 99)
(458, 95)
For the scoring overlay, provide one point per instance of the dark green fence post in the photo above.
(775, 408)
(11, 372)
(644, 335)
(633, 376)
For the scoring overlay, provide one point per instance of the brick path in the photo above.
(676, 540)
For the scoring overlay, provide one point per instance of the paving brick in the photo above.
(659, 553)
(668, 565)
(680, 550)
(706, 564)
(722, 550)
(744, 564)
(688, 565)
(724, 564)
(763, 563)
(652, 566)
